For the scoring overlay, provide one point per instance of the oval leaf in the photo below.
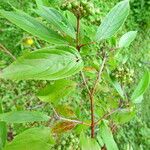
(117, 87)
(33, 26)
(63, 126)
(56, 18)
(65, 111)
(54, 92)
(45, 64)
(123, 116)
(127, 38)
(142, 87)
(23, 117)
(107, 136)
(87, 143)
(34, 138)
(113, 21)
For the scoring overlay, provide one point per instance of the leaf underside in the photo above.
(113, 21)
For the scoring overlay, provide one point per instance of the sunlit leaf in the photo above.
(50, 63)
(123, 115)
(31, 25)
(113, 21)
(107, 136)
(87, 143)
(127, 38)
(139, 99)
(23, 117)
(141, 87)
(117, 87)
(32, 139)
(100, 140)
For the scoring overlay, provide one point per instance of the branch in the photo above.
(106, 115)
(58, 117)
(77, 34)
(2, 48)
(85, 82)
(90, 43)
(99, 74)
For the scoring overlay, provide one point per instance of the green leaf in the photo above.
(107, 136)
(3, 131)
(42, 3)
(127, 38)
(56, 18)
(113, 21)
(23, 117)
(81, 128)
(31, 25)
(51, 63)
(87, 143)
(117, 87)
(3, 134)
(65, 111)
(54, 92)
(32, 139)
(39, 3)
(63, 126)
(141, 87)
(123, 116)
(139, 99)
(100, 140)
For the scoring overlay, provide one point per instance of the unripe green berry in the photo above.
(73, 141)
(92, 11)
(69, 6)
(97, 11)
(59, 148)
(64, 5)
(97, 19)
(84, 2)
(71, 136)
(81, 8)
(63, 142)
(75, 4)
(84, 12)
(91, 5)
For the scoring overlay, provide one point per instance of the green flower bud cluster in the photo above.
(80, 8)
(69, 142)
(95, 19)
(124, 75)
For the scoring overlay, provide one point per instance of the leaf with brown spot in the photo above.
(63, 126)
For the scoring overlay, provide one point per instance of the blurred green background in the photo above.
(19, 95)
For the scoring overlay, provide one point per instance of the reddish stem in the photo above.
(92, 117)
(77, 34)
